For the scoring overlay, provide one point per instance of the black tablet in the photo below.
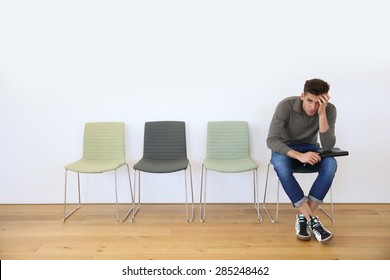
(335, 152)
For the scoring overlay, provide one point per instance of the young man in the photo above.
(292, 137)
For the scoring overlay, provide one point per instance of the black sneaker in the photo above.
(301, 228)
(320, 232)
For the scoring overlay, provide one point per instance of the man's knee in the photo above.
(282, 165)
(329, 164)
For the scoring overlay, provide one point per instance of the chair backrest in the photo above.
(228, 140)
(104, 140)
(165, 140)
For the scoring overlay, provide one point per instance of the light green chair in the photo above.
(228, 151)
(103, 151)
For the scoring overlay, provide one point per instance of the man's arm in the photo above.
(276, 128)
(327, 118)
(323, 120)
(307, 157)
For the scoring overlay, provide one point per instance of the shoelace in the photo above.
(318, 227)
(302, 225)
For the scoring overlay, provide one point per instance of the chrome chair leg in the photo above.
(135, 210)
(66, 216)
(188, 217)
(256, 194)
(331, 214)
(265, 196)
(202, 205)
(116, 197)
(192, 195)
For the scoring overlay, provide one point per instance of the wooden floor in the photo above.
(231, 231)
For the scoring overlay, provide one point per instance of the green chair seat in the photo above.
(230, 165)
(161, 166)
(95, 165)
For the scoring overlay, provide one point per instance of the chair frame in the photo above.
(274, 220)
(202, 204)
(67, 215)
(188, 217)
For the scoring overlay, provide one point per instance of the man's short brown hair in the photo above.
(316, 87)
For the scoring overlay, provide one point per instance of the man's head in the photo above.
(312, 90)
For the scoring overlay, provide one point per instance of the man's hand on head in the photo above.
(323, 100)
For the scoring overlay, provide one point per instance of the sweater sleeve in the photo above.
(328, 138)
(276, 128)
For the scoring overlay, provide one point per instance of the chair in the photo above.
(302, 170)
(103, 151)
(165, 151)
(228, 151)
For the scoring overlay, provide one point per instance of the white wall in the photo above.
(64, 63)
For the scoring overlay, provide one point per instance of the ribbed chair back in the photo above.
(165, 140)
(227, 140)
(104, 141)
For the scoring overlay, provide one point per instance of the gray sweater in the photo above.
(291, 125)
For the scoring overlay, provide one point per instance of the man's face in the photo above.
(310, 103)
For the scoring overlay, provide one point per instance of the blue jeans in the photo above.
(284, 167)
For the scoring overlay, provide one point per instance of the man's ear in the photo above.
(302, 96)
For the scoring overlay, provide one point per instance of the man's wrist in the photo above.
(294, 154)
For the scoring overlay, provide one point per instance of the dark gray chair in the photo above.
(165, 151)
